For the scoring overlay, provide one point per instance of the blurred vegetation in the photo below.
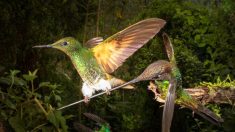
(202, 32)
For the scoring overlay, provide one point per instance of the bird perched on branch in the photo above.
(163, 71)
(168, 72)
(97, 59)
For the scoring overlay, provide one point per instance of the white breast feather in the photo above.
(87, 90)
(103, 85)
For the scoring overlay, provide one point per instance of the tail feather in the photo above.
(116, 82)
(208, 115)
(168, 108)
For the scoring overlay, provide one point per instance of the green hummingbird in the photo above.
(96, 60)
(171, 74)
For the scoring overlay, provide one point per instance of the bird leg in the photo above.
(107, 91)
(152, 87)
(86, 99)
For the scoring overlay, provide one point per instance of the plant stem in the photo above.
(40, 106)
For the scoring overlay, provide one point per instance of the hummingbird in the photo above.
(98, 58)
(103, 126)
(170, 73)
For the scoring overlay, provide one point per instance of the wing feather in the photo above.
(112, 52)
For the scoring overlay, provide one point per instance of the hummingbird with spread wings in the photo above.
(96, 60)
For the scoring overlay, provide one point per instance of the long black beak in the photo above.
(42, 46)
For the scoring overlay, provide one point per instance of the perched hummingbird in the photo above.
(103, 125)
(171, 74)
(94, 64)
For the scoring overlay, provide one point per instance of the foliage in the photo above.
(22, 102)
(201, 37)
(226, 83)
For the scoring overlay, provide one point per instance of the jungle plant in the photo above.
(26, 107)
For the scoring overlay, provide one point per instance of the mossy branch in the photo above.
(218, 95)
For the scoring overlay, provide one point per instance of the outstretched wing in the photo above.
(112, 52)
(169, 48)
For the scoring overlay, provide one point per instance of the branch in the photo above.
(204, 94)
(96, 95)
(217, 95)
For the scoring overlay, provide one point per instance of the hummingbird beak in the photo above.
(43, 46)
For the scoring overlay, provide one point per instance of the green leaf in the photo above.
(14, 72)
(44, 84)
(29, 77)
(56, 118)
(47, 99)
(17, 124)
(57, 98)
(52, 119)
(10, 104)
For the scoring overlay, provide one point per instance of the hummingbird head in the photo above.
(67, 44)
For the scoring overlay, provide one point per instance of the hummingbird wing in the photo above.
(93, 42)
(112, 52)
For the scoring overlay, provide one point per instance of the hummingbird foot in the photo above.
(157, 96)
(86, 99)
(108, 91)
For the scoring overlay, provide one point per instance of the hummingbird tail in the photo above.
(116, 82)
(208, 115)
(169, 108)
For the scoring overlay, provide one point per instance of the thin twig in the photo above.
(96, 95)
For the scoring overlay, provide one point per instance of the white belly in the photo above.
(88, 90)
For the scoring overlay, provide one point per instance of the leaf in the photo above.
(44, 84)
(10, 104)
(28, 77)
(52, 119)
(17, 124)
(57, 98)
(14, 72)
(56, 118)
(48, 84)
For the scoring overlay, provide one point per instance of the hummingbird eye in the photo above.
(64, 43)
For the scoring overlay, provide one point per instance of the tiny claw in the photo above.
(86, 99)
(107, 91)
